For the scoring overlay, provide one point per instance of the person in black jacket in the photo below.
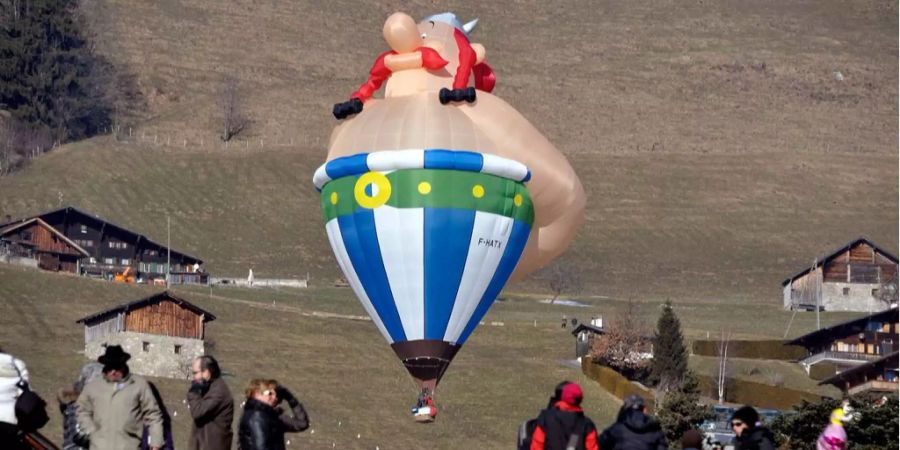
(634, 429)
(262, 424)
(750, 434)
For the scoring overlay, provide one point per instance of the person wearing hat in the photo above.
(749, 433)
(563, 424)
(634, 429)
(113, 409)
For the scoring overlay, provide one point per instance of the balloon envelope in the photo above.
(426, 239)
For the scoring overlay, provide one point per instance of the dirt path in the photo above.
(291, 309)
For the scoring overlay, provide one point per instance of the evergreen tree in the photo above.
(670, 359)
(48, 73)
(681, 410)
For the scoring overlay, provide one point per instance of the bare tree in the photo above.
(563, 277)
(624, 347)
(19, 143)
(722, 375)
(233, 119)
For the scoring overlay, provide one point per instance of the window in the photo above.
(874, 292)
(26, 235)
(111, 244)
(92, 260)
(84, 229)
(177, 349)
(846, 292)
(145, 346)
(109, 260)
(123, 245)
(126, 261)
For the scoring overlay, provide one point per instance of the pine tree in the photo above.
(681, 410)
(670, 359)
(48, 71)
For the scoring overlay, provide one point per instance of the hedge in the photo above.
(768, 349)
(614, 383)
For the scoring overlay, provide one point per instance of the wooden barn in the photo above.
(112, 248)
(847, 279)
(35, 239)
(163, 333)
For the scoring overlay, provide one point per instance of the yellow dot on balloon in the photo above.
(334, 198)
(518, 199)
(424, 187)
(478, 191)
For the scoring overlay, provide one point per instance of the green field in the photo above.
(341, 367)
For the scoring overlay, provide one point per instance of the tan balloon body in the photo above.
(410, 116)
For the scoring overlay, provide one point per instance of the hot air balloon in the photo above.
(429, 203)
(426, 239)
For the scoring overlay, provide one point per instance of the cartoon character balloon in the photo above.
(439, 193)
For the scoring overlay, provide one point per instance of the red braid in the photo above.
(484, 75)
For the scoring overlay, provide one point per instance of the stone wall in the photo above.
(858, 298)
(18, 260)
(151, 354)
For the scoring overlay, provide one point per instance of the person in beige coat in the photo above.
(113, 409)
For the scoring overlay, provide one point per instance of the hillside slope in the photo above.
(718, 148)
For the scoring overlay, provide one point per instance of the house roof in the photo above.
(828, 257)
(878, 364)
(47, 226)
(587, 327)
(137, 304)
(843, 329)
(135, 235)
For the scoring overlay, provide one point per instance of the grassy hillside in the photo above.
(501, 377)
(719, 150)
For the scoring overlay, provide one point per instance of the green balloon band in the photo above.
(428, 188)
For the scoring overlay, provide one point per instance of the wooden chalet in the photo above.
(112, 248)
(852, 343)
(163, 314)
(847, 279)
(37, 240)
(162, 332)
(875, 376)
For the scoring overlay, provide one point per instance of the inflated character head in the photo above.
(434, 54)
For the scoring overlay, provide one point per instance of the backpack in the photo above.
(526, 433)
(31, 409)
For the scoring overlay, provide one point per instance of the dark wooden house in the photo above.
(37, 240)
(851, 343)
(875, 376)
(112, 248)
(162, 332)
(847, 279)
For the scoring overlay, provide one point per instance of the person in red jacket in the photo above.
(563, 426)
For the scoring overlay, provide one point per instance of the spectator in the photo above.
(634, 429)
(750, 434)
(563, 424)
(212, 407)
(262, 424)
(12, 371)
(68, 407)
(113, 409)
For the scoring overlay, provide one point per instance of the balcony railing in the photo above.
(874, 386)
(839, 356)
